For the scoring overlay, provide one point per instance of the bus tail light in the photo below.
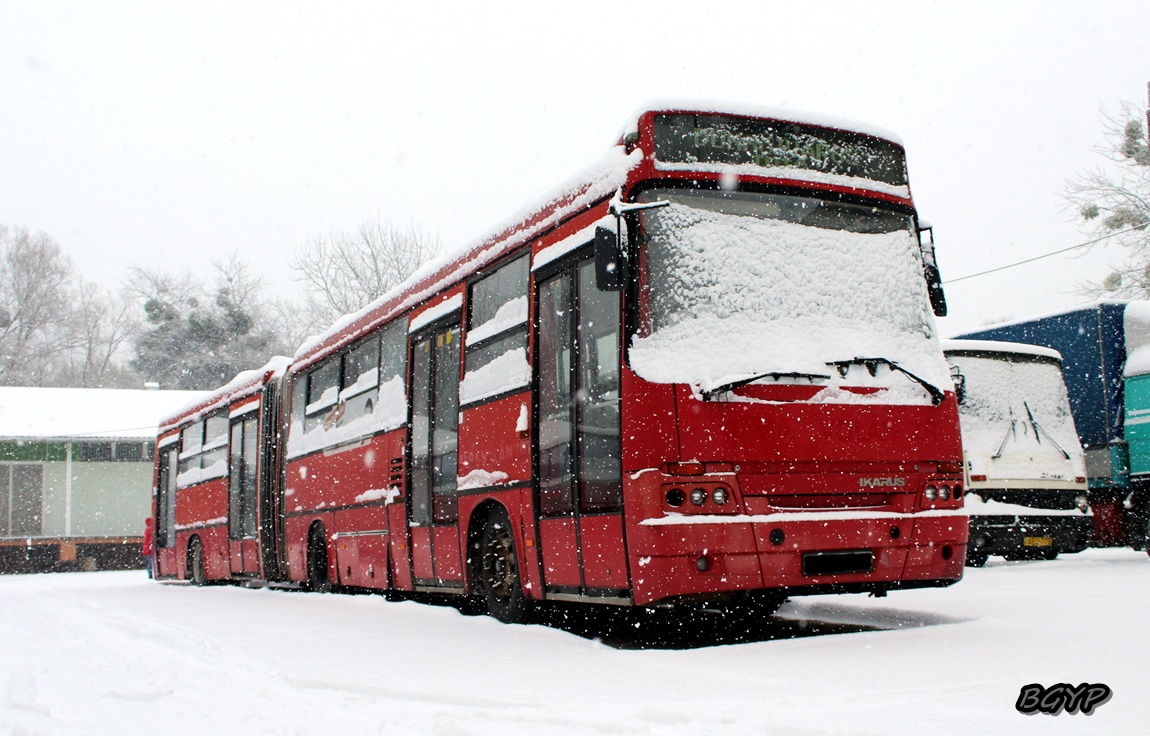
(719, 495)
(978, 478)
(931, 493)
(698, 496)
(691, 468)
(950, 466)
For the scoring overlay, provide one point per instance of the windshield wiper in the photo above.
(872, 364)
(732, 385)
(1039, 431)
(1009, 433)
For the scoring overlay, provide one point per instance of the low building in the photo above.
(76, 475)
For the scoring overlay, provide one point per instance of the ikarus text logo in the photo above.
(882, 482)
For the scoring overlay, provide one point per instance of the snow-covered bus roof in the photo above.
(43, 414)
(757, 111)
(593, 184)
(997, 346)
(244, 384)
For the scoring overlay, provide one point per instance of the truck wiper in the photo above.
(872, 364)
(732, 385)
(1009, 433)
(1038, 430)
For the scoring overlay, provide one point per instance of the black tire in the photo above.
(499, 572)
(318, 577)
(196, 574)
(1146, 536)
(1050, 554)
(976, 559)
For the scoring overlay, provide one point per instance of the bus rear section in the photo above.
(214, 507)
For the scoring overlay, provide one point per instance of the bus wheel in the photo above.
(196, 573)
(499, 571)
(318, 579)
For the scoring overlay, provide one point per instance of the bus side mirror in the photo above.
(610, 260)
(934, 289)
(930, 269)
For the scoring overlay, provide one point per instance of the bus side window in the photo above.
(495, 360)
(322, 393)
(358, 386)
(298, 402)
(392, 408)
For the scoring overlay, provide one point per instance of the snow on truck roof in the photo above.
(1136, 325)
(1084, 306)
(998, 346)
(32, 413)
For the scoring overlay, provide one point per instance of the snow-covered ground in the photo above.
(113, 653)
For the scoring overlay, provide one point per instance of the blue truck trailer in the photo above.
(1109, 404)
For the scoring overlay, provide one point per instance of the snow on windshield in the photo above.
(743, 284)
(1019, 406)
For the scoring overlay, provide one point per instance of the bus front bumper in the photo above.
(712, 556)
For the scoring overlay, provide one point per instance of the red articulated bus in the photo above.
(706, 373)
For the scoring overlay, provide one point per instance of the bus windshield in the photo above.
(743, 284)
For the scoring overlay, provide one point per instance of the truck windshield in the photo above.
(742, 283)
(1016, 420)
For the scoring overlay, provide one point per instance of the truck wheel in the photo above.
(196, 573)
(976, 559)
(499, 572)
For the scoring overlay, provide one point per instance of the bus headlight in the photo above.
(931, 493)
(1082, 503)
(698, 496)
(943, 493)
(719, 495)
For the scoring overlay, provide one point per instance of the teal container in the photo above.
(1137, 412)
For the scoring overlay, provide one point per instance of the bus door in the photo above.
(576, 443)
(434, 503)
(243, 474)
(270, 484)
(166, 511)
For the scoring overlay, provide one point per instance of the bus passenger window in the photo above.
(322, 393)
(496, 357)
(358, 387)
(391, 409)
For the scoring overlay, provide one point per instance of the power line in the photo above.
(1046, 255)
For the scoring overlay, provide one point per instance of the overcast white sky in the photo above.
(173, 134)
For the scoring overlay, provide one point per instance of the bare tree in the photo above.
(344, 272)
(1114, 198)
(100, 324)
(35, 277)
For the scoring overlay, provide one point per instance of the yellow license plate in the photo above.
(1037, 541)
